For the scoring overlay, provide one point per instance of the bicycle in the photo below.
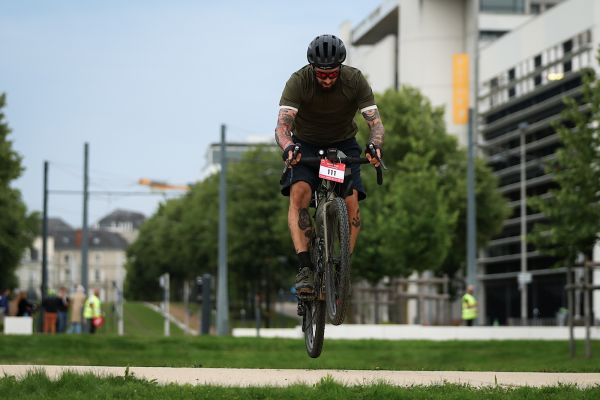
(329, 245)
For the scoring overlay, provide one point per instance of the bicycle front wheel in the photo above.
(337, 264)
(313, 325)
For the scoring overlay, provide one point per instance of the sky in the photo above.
(147, 84)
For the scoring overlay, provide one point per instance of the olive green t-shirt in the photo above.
(326, 117)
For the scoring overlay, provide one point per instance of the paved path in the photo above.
(285, 377)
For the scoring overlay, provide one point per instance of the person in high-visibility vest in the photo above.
(469, 306)
(92, 309)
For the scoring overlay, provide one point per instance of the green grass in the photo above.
(210, 351)
(73, 386)
(143, 321)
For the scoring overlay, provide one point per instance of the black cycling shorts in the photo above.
(310, 174)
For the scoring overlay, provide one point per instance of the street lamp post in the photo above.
(523, 281)
(222, 291)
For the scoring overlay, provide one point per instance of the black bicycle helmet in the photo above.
(326, 51)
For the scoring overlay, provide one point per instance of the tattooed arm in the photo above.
(285, 121)
(371, 115)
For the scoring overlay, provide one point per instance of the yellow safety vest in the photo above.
(91, 308)
(469, 307)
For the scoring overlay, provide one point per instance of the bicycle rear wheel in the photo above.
(337, 265)
(313, 325)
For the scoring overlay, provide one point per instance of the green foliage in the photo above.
(417, 220)
(573, 209)
(260, 244)
(182, 237)
(492, 207)
(17, 227)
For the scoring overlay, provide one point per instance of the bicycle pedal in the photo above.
(301, 310)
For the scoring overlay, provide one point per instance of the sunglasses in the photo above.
(326, 75)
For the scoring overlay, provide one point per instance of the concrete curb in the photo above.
(434, 333)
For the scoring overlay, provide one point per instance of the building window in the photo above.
(567, 46)
(537, 80)
(537, 61)
(534, 8)
(489, 36)
(503, 6)
(511, 74)
(567, 66)
(511, 92)
(97, 275)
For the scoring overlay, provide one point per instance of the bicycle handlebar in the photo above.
(344, 160)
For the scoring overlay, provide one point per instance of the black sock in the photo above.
(304, 258)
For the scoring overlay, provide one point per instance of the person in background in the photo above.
(50, 306)
(24, 307)
(4, 301)
(77, 300)
(63, 308)
(92, 309)
(469, 306)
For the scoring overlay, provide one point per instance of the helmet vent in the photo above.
(325, 48)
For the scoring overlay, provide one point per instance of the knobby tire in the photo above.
(314, 326)
(337, 266)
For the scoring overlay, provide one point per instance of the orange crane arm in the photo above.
(161, 185)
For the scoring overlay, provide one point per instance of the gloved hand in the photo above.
(292, 154)
(374, 154)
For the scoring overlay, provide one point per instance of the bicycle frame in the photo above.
(322, 198)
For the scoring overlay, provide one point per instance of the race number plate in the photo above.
(331, 171)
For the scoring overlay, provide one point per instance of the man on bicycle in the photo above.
(316, 111)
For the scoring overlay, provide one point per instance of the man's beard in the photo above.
(328, 88)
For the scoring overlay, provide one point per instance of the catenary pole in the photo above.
(44, 286)
(84, 235)
(472, 140)
(471, 210)
(222, 295)
(523, 214)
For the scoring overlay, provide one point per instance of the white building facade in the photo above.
(525, 55)
(524, 77)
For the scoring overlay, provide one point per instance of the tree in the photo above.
(492, 208)
(572, 211)
(418, 223)
(417, 147)
(17, 227)
(182, 237)
(261, 250)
